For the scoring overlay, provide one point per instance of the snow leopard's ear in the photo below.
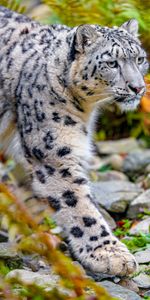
(131, 26)
(85, 36)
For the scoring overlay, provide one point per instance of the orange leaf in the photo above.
(145, 102)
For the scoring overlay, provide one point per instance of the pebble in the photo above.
(142, 201)
(142, 280)
(119, 146)
(116, 162)
(143, 268)
(143, 256)
(129, 284)
(121, 293)
(29, 277)
(142, 226)
(7, 250)
(135, 162)
(34, 263)
(101, 276)
(111, 175)
(115, 195)
(111, 222)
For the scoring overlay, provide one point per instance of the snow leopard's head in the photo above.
(108, 65)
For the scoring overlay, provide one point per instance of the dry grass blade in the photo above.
(12, 4)
(20, 206)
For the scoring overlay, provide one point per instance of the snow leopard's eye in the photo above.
(112, 64)
(140, 60)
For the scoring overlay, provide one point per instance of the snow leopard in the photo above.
(53, 78)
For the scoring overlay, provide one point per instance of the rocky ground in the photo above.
(122, 189)
(120, 181)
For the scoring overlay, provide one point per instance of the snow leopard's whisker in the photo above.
(103, 103)
(105, 100)
(103, 94)
(106, 93)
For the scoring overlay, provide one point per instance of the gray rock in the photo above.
(7, 250)
(143, 268)
(41, 280)
(29, 277)
(115, 195)
(142, 281)
(129, 284)
(111, 175)
(119, 292)
(142, 226)
(108, 218)
(143, 256)
(136, 161)
(119, 146)
(116, 161)
(142, 201)
(34, 263)
(101, 276)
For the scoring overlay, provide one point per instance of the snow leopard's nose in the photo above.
(136, 89)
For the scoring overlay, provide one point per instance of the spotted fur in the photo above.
(52, 78)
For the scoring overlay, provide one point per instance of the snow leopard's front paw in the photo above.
(110, 257)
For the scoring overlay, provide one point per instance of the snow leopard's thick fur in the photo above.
(52, 78)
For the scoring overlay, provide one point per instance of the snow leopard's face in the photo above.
(110, 65)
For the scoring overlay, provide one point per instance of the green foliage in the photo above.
(50, 222)
(105, 168)
(123, 228)
(145, 212)
(4, 270)
(104, 12)
(134, 243)
(123, 125)
(137, 243)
